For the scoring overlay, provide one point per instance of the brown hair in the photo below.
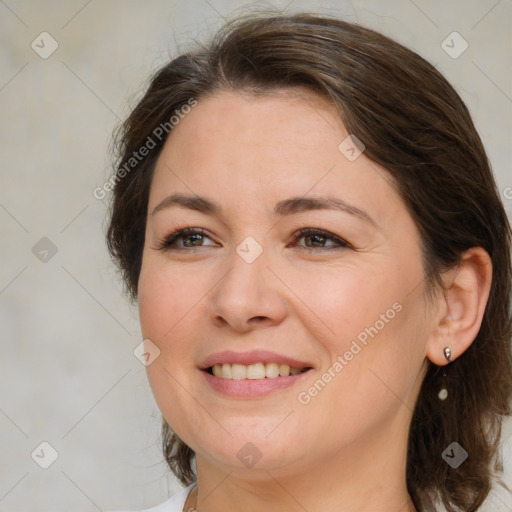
(413, 123)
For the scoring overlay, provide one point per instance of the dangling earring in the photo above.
(443, 393)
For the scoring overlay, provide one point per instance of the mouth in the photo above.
(252, 374)
(256, 371)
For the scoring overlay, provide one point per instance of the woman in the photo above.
(307, 218)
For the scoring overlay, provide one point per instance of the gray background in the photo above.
(68, 375)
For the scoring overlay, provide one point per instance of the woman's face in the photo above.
(300, 253)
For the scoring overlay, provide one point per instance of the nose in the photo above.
(248, 297)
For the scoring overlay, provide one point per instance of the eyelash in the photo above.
(167, 244)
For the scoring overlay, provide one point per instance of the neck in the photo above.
(367, 475)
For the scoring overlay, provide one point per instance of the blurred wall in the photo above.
(69, 72)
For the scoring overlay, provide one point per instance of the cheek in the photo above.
(171, 306)
(167, 299)
(165, 307)
(383, 378)
(371, 324)
(344, 303)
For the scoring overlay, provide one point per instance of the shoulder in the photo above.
(173, 504)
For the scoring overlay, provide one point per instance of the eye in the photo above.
(318, 239)
(185, 239)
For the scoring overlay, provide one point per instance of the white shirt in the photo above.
(177, 502)
(173, 504)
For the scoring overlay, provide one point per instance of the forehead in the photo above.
(289, 142)
(277, 119)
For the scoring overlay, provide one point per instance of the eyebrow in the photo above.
(302, 204)
(200, 204)
(282, 208)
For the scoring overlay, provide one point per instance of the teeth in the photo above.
(284, 370)
(238, 371)
(272, 370)
(226, 371)
(254, 371)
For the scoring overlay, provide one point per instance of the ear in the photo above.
(461, 306)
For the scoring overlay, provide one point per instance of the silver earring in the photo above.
(443, 393)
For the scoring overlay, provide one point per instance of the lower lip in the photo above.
(251, 388)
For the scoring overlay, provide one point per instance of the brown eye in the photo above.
(315, 240)
(185, 238)
(193, 240)
(318, 239)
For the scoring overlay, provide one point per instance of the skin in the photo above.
(345, 450)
